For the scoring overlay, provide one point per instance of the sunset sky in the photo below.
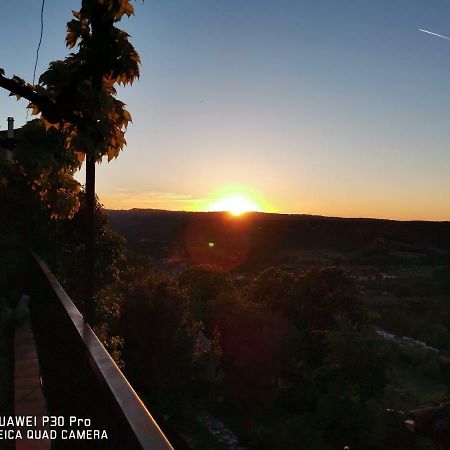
(333, 107)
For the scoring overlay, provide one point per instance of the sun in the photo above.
(237, 200)
(236, 205)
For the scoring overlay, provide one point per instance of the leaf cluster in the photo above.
(77, 95)
(41, 163)
(85, 81)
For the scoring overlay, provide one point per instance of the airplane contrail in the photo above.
(434, 34)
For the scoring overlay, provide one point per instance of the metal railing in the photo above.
(80, 378)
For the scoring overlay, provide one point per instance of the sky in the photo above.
(331, 107)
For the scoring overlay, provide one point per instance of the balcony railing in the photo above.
(79, 377)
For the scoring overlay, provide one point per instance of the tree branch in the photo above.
(48, 108)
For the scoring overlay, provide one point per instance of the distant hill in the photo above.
(262, 238)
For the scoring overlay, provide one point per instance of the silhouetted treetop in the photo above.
(77, 95)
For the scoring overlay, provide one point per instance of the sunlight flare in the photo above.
(237, 200)
(234, 204)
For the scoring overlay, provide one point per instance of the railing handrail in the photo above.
(145, 428)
